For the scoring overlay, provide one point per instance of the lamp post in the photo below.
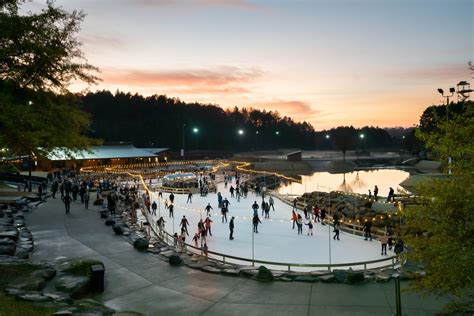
(447, 96)
(361, 137)
(182, 148)
(196, 132)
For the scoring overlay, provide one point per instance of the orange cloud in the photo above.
(299, 110)
(225, 80)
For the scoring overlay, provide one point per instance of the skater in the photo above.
(272, 202)
(310, 227)
(337, 225)
(255, 222)
(255, 208)
(294, 218)
(383, 241)
(200, 226)
(376, 193)
(184, 223)
(305, 211)
(367, 230)
(161, 225)
(54, 188)
(204, 249)
(154, 206)
(190, 198)
(263, 207)
(219, 199)
(195, 239)
(208, 209)
(316, 214)
(67, 203)
(207, 223)
(370, 195)
(87, 197)
(299, 223)
(226, 203)
(170, 209)
(231, 190)
(267, 210)
(323, 216)
(171, 198)
(224, 211)
(175, 240)
(231, 228)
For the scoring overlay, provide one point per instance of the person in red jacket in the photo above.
(294, 218)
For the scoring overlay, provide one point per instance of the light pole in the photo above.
(240, 133)
(451, 90)
(182, 134)
(196, 131)
(361, 136)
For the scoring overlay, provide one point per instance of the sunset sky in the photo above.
(331, 62)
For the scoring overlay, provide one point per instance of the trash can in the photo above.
(97, 278)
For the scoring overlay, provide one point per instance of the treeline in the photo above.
(159, 121)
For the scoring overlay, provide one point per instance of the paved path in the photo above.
(140, 282)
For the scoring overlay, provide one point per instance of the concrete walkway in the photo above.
(140, 282)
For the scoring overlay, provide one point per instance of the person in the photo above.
(316, 214)
(195, 239)
(231, 228)
(267, 210)
(170, 209)
(40, 192)
(207, 223)
(294, 218)
(224, 211)
(376, 192)
(299, 224)
(263, 207)
(175, 240)
(272, 202)
(310, 227)
(184, 223)
(87, 197)
(161, 225)
(367, 230)
(255, 222)
(208, 209)
(54, 188)
(237, 193)
(305, 211)
(391, 195)
(323, 216)
(370, 194)
(390, 238)
(171, 198)
(398, 249)
(182, 241)
(383, 241)
(154, 206)
(336, 226)
(200, 226)
(190, 198)
(219, 199)
(225, 203)
(160, 194)
(294, 203)
(255, 208)
(67, 203)
(204, 249)
(231, 190)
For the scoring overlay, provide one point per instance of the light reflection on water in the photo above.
(357, 182)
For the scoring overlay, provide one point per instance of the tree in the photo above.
(440, 230)
(344, 138)
(39, 57)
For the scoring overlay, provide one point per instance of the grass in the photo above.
(9, 306)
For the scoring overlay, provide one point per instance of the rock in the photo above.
(92, 307)
(10, 233)
(211, 269)
(264, 274)
(26, 235)
(66, 311)
(59, 297)
(127, 313)
(76, 286)
(109, 221)
(233, 272)
(81, 267)
(320, 272)
(22, 253)
(141, 244)
(355, 277)
(19, 223)
(117, 229)
(28, 284)
(382, 278)
(34, 297)
(329, 278)
(340, 275)
(46, 274)
(305, 278)
(285, 279)
(175, 260)
(249, 273)
(13, 291)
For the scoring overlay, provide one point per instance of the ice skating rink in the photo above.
(276, 240)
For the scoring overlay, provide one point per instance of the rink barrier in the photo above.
(168, 239)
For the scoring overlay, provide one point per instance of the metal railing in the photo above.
(169, 240)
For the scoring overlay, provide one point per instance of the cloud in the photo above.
(101, 40)
(293, 108)
(434, 73)
(218, 80)
(241, 4)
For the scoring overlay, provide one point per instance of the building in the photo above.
(294, 156)
(112, 154)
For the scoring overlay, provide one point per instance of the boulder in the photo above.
(81, 267)
(59, 297)
(47, 274)
(109, 221)
(10, 233)
(329, 278)
(31, 283)
(175, 260)
(91, 307)
(340, 275)
(355, 277)
(264, 274)
(74, 285)
(33, 297)
(141, 244)
(118, 230)
(22, 253)
(305, 278)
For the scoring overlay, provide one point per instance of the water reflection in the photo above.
(357, 182)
